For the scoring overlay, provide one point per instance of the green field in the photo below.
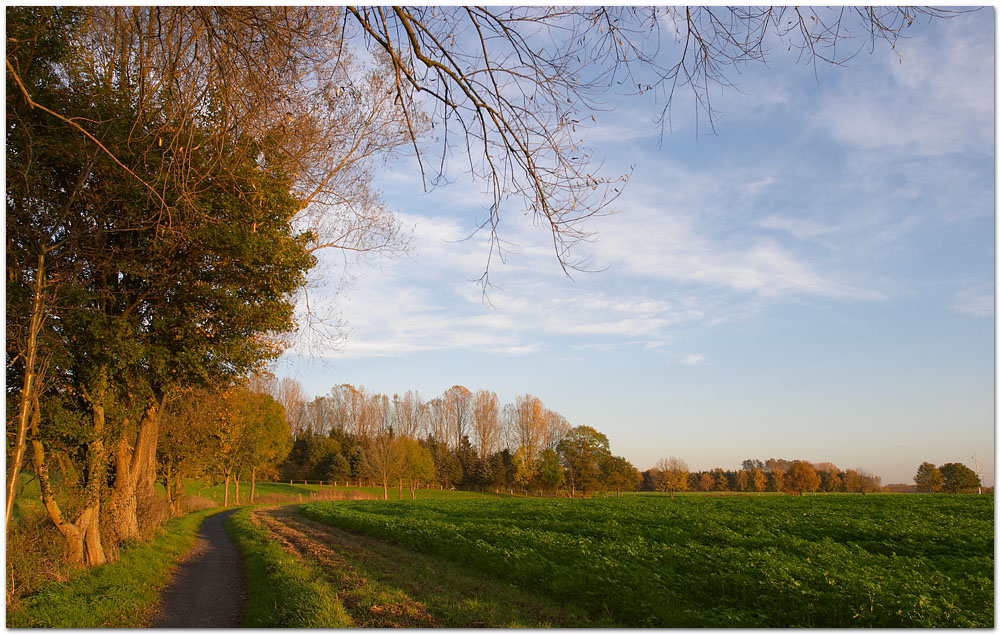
(871, 561)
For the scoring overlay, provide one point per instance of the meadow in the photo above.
(741, 561)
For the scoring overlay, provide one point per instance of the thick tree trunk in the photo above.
(237, 480)
(83, 537)
(225, 500)
(28, 388)
(135, 473)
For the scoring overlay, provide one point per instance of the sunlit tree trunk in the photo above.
(253, 482)
(27, 388)
(135, 469)
(83, 537)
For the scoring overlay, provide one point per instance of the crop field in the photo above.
(828, 561)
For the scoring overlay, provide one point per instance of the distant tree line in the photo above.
(774, 475)
(460, 439)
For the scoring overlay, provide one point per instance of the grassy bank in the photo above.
(283, 590)
(120, 594)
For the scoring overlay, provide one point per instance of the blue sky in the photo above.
(812, 280)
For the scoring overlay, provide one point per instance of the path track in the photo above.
(207, 590)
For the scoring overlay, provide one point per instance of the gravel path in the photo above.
(207, 590)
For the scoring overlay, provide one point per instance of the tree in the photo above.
(526, 421)
(956, 477)
(184, 447)
(550, 471)
(801, 477)
(750, 464)
(458, 414)
(383, 452)
(582, 452)
(418, 466)
(673, 475)
(758, 479)
(742, 480)
(860, 481)
(409, 413)
(179, 189)
(706, 482)
(502, 470)
(269, 436)
(777, 480)
(928, 478)
(830, 481)
(486, 423)
(618, 473)
(721, 480)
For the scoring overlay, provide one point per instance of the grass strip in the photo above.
(384, 585)
(124, 593)
(283, 590)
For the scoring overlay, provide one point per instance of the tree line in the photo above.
(774, 474)
(458, 439)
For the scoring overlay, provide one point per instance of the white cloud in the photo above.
(975, 302)
(936, 99)
(693, 359)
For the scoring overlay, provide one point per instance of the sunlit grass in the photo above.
(283, 590)
(124, 593)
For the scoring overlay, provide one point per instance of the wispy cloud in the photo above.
(975, 302)
(936, 99)
(693, 359)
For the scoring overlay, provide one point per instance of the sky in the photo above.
(813, 279)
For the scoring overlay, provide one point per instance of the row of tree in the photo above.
(777, 475)
(171, 172)
(467, 438)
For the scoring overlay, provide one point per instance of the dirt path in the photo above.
(207, 590)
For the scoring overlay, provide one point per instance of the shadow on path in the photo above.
(207, 589)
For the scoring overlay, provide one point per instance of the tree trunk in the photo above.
(27, 389)
(166, 485)
(83, 543)
(385, 487)
(253, 482)
(237, 480)
(401, 488)
(135, 472)
(413, 493)
(225, 500)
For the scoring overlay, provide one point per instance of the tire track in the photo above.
(326, 546)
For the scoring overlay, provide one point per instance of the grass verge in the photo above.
(283, 590)
(120, 594)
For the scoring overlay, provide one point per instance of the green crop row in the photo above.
(876, 561)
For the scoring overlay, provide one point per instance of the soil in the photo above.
(207, 590)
